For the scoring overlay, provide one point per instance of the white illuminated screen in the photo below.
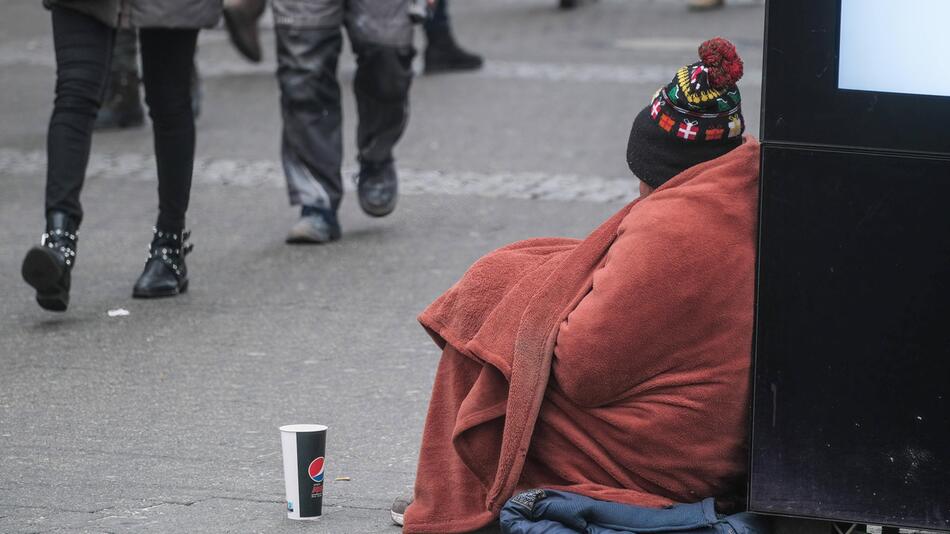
(895, 46)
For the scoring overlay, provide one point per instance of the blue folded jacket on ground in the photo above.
(557, 512)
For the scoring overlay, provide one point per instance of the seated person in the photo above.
(617, 366)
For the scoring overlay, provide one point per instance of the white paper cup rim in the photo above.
(303, 428)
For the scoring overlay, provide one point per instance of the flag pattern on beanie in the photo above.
(702, 102)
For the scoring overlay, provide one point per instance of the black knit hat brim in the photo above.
(654, 156)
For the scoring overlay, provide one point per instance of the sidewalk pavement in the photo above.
(165, 420)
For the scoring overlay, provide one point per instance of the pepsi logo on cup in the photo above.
(316, 469)
(316, 474)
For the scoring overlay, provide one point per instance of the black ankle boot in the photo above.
(47, 267)
(165, 273)
(443, 54)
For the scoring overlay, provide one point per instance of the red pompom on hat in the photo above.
(702, 103)
(723, 62)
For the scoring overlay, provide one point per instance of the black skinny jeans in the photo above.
(83, 55)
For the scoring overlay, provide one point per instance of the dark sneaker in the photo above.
(398, 510)
(443, 54)
(378, 188)
(315, 226)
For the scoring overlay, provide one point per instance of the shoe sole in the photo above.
(57, 302)
(309, 240)
(444, 69)
(399, 519)
(136, 294)
(374, 211)
(42, 271)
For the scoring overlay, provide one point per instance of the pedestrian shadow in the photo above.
(366, 233)
(56, 323)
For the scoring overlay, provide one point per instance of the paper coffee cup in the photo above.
(304, 452)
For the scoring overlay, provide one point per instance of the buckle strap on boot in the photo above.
(170, 247)
(62, 241)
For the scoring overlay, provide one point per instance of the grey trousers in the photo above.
(309, 42)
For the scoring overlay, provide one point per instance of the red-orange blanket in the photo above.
(616, 367)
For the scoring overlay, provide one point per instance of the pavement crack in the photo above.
(352, 507)
(100, 510)
(173, 503)
(242, 499)
(131, 454)
(55, 509)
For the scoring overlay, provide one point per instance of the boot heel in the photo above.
(56, 301)
(41, 269)
(47, 267)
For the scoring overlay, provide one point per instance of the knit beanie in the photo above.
(695, 118)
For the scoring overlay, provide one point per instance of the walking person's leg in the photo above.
(167, 58)
(309, 41)
(83, 51)
(122, 104)
(443, 52)
(381, 33)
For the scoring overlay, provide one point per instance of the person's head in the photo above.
(695, 118)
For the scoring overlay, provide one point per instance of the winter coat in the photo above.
(147, 13)
(616, 367)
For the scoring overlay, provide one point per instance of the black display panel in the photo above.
(851, 417)
(802, 101)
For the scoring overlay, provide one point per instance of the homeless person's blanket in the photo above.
(615, 367)
(559, 512)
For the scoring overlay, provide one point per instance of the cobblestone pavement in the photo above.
(164, 420)
(267, 173)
